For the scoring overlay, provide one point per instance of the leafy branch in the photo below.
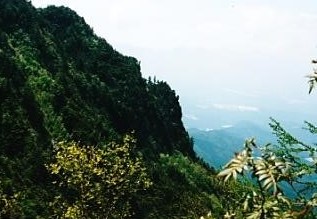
(271, 172)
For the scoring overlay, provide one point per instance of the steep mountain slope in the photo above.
(61, 82)
(59, 69)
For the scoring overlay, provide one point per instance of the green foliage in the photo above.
(9, 206)
(183, 188)
(169, 114)
(99, 183)
(285, 180)
(61, 82)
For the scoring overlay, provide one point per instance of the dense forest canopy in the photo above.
(83, 135)
(59, 82)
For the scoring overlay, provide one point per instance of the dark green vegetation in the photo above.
(83, 135)
(60, 84)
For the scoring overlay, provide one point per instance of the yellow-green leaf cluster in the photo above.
(9, 206)
(269, 171)
(101, 181)
(240, 162)
(235, 166)
(266, 201)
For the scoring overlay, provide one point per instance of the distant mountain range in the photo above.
(217, 146)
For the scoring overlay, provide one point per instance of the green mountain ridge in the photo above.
(83, 135)
(61, 82)
(60, 65)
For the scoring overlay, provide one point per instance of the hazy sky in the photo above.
(233, 56)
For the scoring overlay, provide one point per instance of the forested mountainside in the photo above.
(59, 82)
(83, 135)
